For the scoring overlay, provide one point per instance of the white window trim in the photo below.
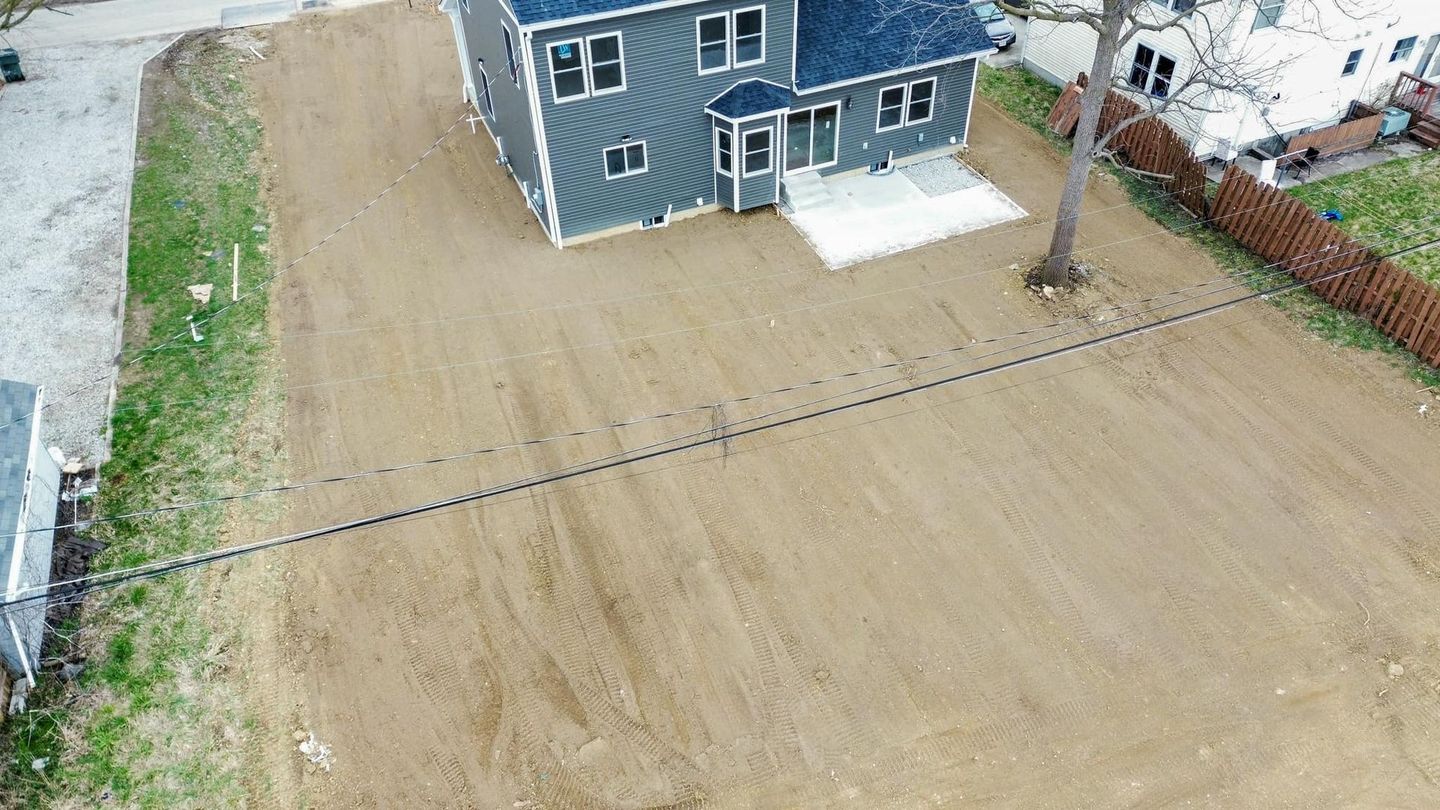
(1261, 15)
(910, 93)
(1345, 70)
(487, 102)
(745, 153)
(586, 66)
(644, 150)
(734, 48)
(590, 66)
(1396, 57)
(716, 152)
(512, 64)
(1150, 71)
(880, 106)
(699, 65)
(583, 47)
(784, 148)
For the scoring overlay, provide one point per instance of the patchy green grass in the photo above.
(1028, 99)
(1383, 202)
(154, 721)
(1024, 96)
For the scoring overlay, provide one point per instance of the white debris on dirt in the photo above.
(63, 178)
(318, 755)
(869, 216)
(201, 292)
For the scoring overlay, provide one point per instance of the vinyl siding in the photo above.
(861, 145)
(663, 105)
(759, 189)
(511, 124)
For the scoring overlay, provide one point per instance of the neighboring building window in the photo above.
(892, 109)
(594, 66)
(713, 38)
(749, 45)
(607, 64)
(1176, 5)
(1352, 63)
(1268, 15)
(731, 40)
(510, 63)
(1152, 72)
(922, 102)
(724, 152)
(567, 70)
(1403, 48)
(625, 160)
(757, 152)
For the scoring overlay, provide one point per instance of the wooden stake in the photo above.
(235, 275)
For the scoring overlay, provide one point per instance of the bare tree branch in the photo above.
(14, 12)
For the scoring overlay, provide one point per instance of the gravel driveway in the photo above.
(64, 172)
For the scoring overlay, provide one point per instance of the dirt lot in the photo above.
(1173, 571)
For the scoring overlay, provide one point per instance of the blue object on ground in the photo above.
(1333, 214)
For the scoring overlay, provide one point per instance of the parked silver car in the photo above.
(997, 27)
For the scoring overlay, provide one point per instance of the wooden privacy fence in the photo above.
(1339, 139)
(1150, 145)
(1284, 230)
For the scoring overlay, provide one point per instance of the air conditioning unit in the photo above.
(1394, 122)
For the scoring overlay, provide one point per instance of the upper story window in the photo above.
(1176, 6)
(1352, 62)
(593, 66)
(1403, 48)
(510, 63)
(1268, 15)
(905, 104)
(1151, 71)
(730, 40)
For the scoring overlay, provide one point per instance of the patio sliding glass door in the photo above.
(812, 138)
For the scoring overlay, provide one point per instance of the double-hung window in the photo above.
(757, 152)
(510, 63)
(1152, 72)
(906, 104)
(730, 40)
(625, 160)
(1175, 5)
(593, 66)
(1352, 62)
(1403, 49)
(1268, 14)
(724, 152)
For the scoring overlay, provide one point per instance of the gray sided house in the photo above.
(616, 114)
(29, 492)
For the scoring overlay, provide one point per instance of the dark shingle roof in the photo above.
(529, 12)
(838, 40)
(17, 403)
(750, 98)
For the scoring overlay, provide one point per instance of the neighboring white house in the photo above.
(1301, 72)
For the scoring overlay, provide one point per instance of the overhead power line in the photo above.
(1085, 319)
(82, 586)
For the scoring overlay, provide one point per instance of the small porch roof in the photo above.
(748, 99)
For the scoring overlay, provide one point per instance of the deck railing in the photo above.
(1416, 95)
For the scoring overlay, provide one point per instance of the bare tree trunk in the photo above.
(1092, 103)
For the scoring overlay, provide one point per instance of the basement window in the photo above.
(657, 221)
(1152, 72)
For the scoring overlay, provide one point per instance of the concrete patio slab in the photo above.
(867, 216)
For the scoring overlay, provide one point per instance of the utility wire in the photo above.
(1088, 319)
(720, 434)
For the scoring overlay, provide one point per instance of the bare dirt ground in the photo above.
(1174, 571)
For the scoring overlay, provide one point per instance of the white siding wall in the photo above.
(1301, 85)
